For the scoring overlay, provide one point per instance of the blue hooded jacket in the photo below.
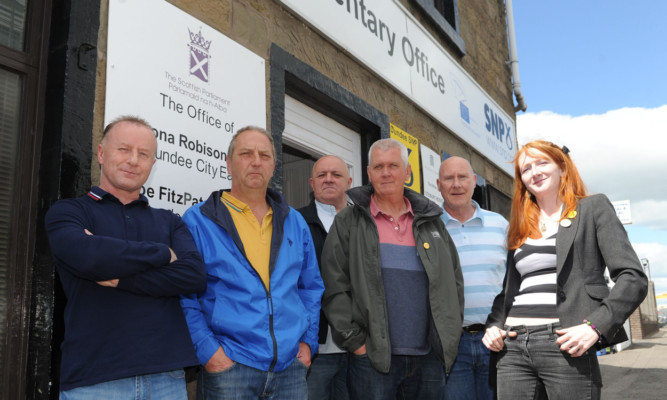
(255, 326)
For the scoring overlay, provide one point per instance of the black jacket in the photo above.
(592, 240)
(319, 234)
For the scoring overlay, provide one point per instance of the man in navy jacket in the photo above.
(327, 378)
(123, 266)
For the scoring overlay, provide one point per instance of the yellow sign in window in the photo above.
(411, 142)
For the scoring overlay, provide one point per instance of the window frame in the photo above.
(452, 33)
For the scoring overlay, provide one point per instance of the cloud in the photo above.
(620, 153)
(650, 213)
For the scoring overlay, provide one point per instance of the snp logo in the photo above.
(501, 130)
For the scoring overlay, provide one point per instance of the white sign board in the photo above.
(623, 211)
(384, 36)
(430, 172)
(194, 85)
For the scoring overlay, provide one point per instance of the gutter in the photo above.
(514, 59)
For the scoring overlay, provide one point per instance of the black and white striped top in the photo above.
(535, 303)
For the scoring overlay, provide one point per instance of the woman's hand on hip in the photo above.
(494, 338)
(577, 339)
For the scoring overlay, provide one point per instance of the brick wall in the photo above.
(256, 24)
(644, 320)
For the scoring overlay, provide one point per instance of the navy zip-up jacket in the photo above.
(137, 327)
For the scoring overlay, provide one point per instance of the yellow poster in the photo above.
(411, 142)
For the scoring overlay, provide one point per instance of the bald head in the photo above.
(456, 163)
(330, 180)
(456, 182)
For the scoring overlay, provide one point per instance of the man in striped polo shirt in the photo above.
(480, 239)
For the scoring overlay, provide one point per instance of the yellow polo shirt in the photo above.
(256, 239)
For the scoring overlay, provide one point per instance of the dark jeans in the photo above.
(166, 385)
(241, 382)
(469, 377)
(409, 377)
(327, 377)
(531, 366)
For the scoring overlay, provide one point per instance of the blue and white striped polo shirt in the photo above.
(482, 246)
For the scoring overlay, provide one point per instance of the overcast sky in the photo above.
(594, 77)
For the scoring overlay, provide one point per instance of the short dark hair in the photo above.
(263, 131)
(126, 118)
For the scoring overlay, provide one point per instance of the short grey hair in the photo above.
(263, 131)
(388, 144)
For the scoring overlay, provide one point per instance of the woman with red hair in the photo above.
(556, 309)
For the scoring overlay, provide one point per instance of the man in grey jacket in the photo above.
(393, 285)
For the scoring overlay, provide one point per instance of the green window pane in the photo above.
(10, 100)
(12, 23)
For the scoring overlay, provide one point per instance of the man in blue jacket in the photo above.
(123, 265)
(255, 327)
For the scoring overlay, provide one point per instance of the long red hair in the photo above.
(525, 216)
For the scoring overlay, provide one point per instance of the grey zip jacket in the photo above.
(354, 299)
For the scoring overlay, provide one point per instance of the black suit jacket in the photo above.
(595, 239)
(319, 234)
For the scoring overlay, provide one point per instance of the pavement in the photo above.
(637, 372)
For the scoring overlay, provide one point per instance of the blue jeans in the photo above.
(241, 382)
(327, 377)
(531, 366)
(469, 376)
(166, 385)
(409, 377)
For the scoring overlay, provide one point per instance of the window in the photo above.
(445, 16)
(447, 8)
(22, 51)
(10, 99)
(12, 23)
